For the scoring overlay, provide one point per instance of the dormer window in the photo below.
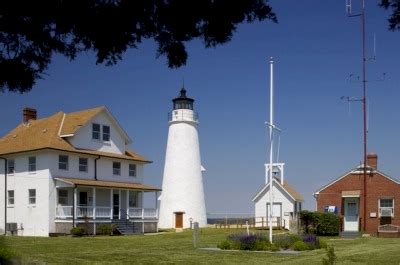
(96, 131)
(106, 133)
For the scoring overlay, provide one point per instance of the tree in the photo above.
(394, 19)
(32, 31)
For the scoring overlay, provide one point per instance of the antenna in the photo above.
(348, 7)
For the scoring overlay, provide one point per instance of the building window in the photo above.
(116, 168)
(10, 197)
(106, 133)
(83, 164)
(96, 131)
(32, 164)
(11, 166)
(63, 197)
(63, 162)
(32, 196)
(386, 208)
(132, 170)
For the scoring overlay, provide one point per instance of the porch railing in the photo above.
(143, 213)
(64, 212)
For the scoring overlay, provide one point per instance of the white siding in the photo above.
(33, 218)
(279, 196)
(83, 137)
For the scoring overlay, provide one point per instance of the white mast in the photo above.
(271, 139)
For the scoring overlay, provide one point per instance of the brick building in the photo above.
(345, 197)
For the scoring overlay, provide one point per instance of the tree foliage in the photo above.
(394, 19)
(31, 32)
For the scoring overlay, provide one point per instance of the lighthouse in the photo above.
(182, 199)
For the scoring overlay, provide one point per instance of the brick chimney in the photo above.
(372, 160)
(29, 114)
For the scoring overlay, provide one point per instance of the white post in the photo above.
(111, 203)
(271, 120)
(119, 204)
(94, 202)
(75, 203)
(127, 204)
(156, 202)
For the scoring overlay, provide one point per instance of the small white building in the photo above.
(287, 202)
(182, 199)
(72, 169)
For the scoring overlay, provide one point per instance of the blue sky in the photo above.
(315, 46)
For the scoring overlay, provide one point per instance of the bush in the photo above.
(312, 241)
(106, 229)
(285, 241)
(300, 246)
(330, 256)
(246, 242)
(319, 223)
(77, 231)
(225, 245)
(274, 247)
(6, 254)
(329, 224)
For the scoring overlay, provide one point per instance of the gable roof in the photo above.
(285, 187)
(357, 170)
(74, 121)
(44, 134)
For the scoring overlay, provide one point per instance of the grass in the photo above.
(178, 248)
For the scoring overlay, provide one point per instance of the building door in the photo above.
(351, 214)
(115, 206)
(178, 220)
(276, 214)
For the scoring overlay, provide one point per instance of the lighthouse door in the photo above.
(178, 220)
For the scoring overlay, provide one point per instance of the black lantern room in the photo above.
(183, 102)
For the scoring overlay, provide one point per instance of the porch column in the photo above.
(141, 203)
(74, 207)
(119, 203)
(127, 204)
(94, 202)
(94, 210)
(111, 203)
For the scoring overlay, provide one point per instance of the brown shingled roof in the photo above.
(44, 134)
(108, 184)
(297, 196)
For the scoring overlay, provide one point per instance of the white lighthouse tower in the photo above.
(182, 199)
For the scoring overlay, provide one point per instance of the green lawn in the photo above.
(178, 248)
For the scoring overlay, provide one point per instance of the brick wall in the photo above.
(378, 187)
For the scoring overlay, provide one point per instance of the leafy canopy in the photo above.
(32, 31)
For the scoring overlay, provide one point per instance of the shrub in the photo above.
(246, 242)
(274, 247)
(77, 231)
(6, 254)
(225, 245)
(286, 241)
(300, 246)
(329, 224)
(106, 229)
(312, 241)
(330, 256)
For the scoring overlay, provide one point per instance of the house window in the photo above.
(116, 168)
(10, 166)
(132, 170)
(96, 131)
(106, 133)
(63, 197)
(133, 199)
(63, 162)
(386, 208)
(32, 164)
(83, 164)
(32, 196)
(10, 197)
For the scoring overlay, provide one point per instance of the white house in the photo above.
(287, 202)
(72, 169)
